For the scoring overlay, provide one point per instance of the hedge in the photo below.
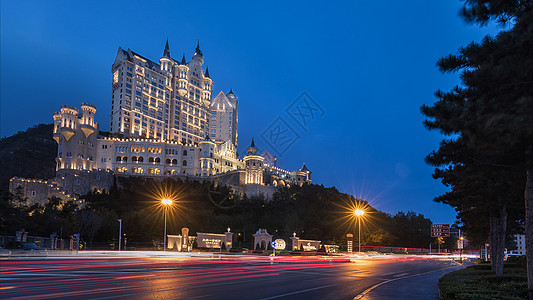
(480, 283)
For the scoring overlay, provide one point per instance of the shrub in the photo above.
(519, 260)
(479, 282)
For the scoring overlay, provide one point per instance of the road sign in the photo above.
(440, 230)
(460, 244)
(280, 244)
(274, 244)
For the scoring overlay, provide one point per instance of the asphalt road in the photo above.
(389, 277)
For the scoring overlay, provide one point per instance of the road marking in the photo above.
(360, 296)
(400, 275)
(306, 290)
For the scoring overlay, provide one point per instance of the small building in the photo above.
(520, 241)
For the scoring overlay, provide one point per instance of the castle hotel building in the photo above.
(164, 122)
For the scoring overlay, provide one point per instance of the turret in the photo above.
(183, 70)
(253, 166)
(305, 170)
(88, 125)
(207, 88)
(252, 150)
(198, 56)
(75, 134)
(207, 161)
(165, 61)
(231, 96)
(69, 117)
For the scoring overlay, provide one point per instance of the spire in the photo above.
(198, 51)
(231, 92)
(207, 72)
(183, 61)
(252, 150)
(166, 52)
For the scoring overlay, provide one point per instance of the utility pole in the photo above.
(119, 233)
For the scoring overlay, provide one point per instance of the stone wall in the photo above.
(68, 185)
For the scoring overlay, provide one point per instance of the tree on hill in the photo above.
(29, 154)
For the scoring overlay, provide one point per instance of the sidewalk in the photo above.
(413, 287)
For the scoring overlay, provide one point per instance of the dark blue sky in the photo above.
(369, 64)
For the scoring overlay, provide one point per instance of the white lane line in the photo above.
(306, 290)
(400, 275)
(360, 296)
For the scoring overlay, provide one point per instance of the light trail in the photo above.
(104, 278)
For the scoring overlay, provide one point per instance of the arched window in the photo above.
(168, 161)
(134, 158)
(150, 171)
(140, 170)
(124, 170)
(184, 163)
(167, 172)
(173, 172)
(157, 160)
(117, 169)
(134, 169)
(157, 171)
(140, 159)
(174, 161)
(124, 158)
(119, 158)
(151, 159)
(184, 152)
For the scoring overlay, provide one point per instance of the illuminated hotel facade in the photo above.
(163, 122)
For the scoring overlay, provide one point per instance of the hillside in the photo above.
(29, 154)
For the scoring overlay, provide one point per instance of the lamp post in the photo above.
(166, 204)
(119, 232)
(359, 213)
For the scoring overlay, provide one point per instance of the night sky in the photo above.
(367, 65)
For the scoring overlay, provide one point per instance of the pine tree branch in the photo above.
(492, 164)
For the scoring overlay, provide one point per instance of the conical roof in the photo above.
(166, 52)
(197, 51)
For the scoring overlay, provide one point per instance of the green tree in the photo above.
(493, 112)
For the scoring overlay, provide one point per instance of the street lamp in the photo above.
(119, 232)
(359, 213)
(166, 204)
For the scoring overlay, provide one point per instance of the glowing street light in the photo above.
(359, 213)
(166, 203)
